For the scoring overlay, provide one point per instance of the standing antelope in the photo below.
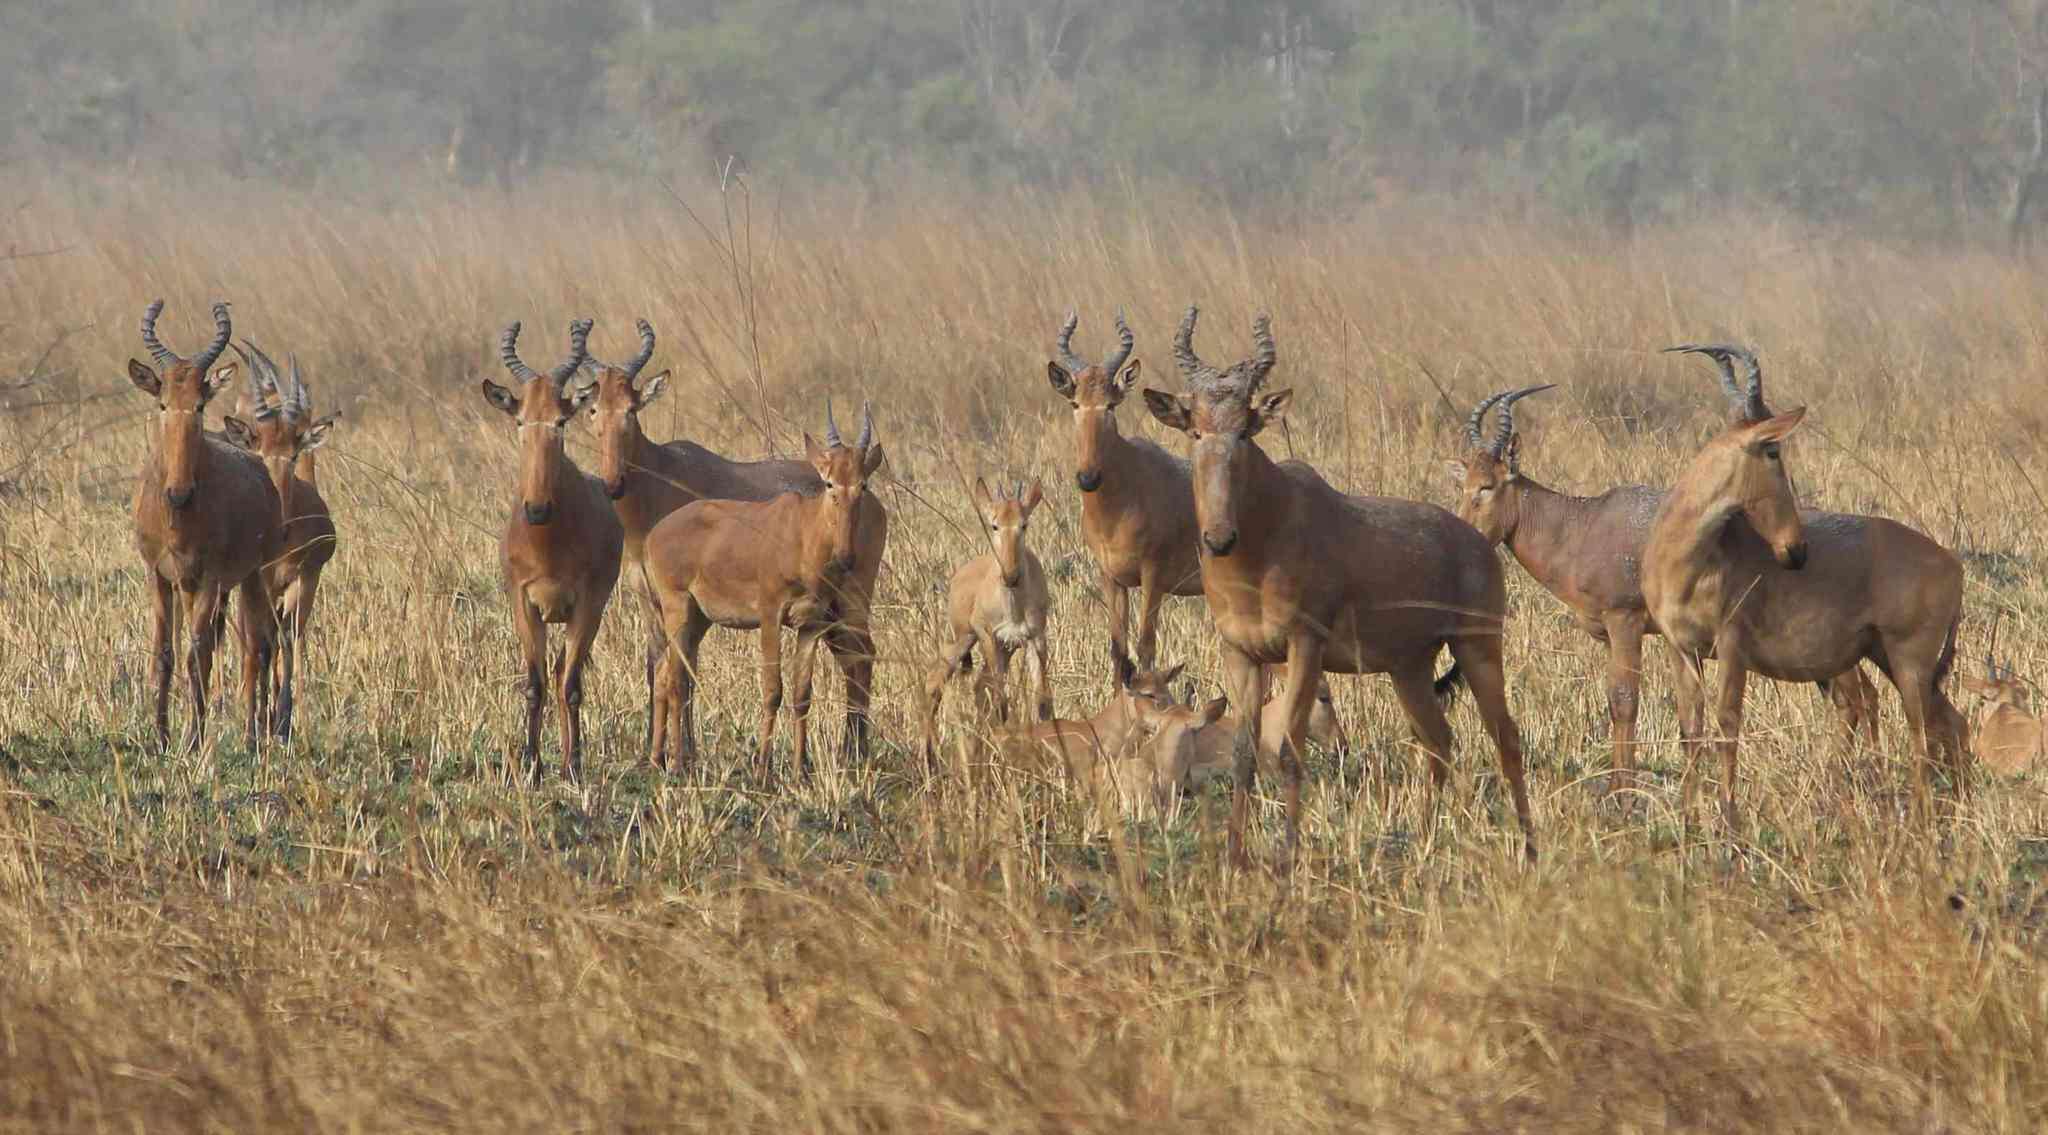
(647, 482)
(759, 565)
(1588, 551)
(1297, 571)
(206, 521)
(283, 434)
(560, 552)
(999, 601)
(1728, 573)
(2009, 740)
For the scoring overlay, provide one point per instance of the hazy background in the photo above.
(1911, 115)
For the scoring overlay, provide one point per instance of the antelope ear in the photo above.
(871, 460)
(1215, 709)
(1172, 674)
(1062, 382)
(1129, 377)
(316, 434)
(501, 397)
(1977, 685)
(144, 378)
(216, 382)
(239, 433)
(1455, 469)
(650, 389)
(1174, 411)
(1270, 409)
(819, 459)
(1776, 429)
(581, 397)
(1033, 496)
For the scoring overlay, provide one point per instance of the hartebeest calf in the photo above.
(759, 565)
(1729, 573)
(646, 482)
(560, 552)
(999, 602)
(1587, 551)
(206, 521)
(282, 432)
(2008, 739)
(1105, 757)
(1296, 571)
(1197, 744)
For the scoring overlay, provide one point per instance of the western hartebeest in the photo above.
(1296, 571)
(1208, 751)
(1729, 573)
(2008, 739)
(1587, 551)
(1104, 757)
(206, 521)
(282, 432)
(647, 482)
(998, 601)
(561, 547)
(759, 565)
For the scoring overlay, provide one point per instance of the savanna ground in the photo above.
(382, 927)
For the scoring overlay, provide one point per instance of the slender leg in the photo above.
(1728, 731)
(1150, 594)
(1304, 675)
(853, 648)
(658, 636)
(696, 624)
(1246, 681)
(533, 650)
(958, 656)
(258, 619)
(1915, 684)
(771, 688)
(800, 706)
(1118, 597)
(1479, 656)
(1041, 678)
(163, 653)
(202, 620)
(1688, 684)
(1414, 689)
(584, 622)
(301, 607)
(1624, 683)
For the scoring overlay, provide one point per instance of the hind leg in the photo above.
(258, 619)
(958, 657)
(1304, 675)
(202, 616)
(1479, 656)
(1246, 681)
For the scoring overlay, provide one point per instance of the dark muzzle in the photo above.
(1220, 546)
(539, 513)
(1088, 480)
(615, 489)
(1795, 556)
(179, 497)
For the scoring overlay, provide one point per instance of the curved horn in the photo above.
(867, 426)
(639, 361)
(163, 355)
(579, 336)
(1192, 368)
(508, 352)
(260, 383)
(300, 401)
(1265, 352)
(223, 330)
(1506, 429)
(1478, 419)
(1063, 345)
(1753, 397)
(831, 428)
(1747, 403)
(1126, 342)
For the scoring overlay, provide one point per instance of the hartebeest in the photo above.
(759, 565)
(646, 482)
(1729, 573)
(1587, 551)
(562, 544)
(999, 602)
(1198, 743)
(1296, 571)
(2008, 739)
(206, 521)
(283, 433)
(1105, 757)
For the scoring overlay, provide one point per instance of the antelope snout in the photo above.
(1794, 557)
(539, 513)
(1220, 545)
(1012, 578)
(1088, 480)
(615, 488)
(178, 496)
(842, 564)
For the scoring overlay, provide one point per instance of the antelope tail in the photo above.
(1447, 684)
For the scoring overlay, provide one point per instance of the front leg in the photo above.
(163, 646)
(1728, 720)
(259, 635)
(203, 622)
(1304, 677)
(1041, 677)
(800, 708)
(1624, 684)
(771, 687)
(1118, 599)
(1246, 681)
(533, 650)
(853, 648)
(1150, 595)
(582, 632)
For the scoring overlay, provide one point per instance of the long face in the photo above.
(1489, 494)
(279, 440)
(181, 392)
(845, 471)
(615, 416)
(541, 410)
(1094, 394)
(1222, 424)
(1747, 464)
(1007, 519)
(1147, 694)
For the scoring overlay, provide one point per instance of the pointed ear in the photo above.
(1270, 409)
(650, 389)
(1032, 496)
(144, 378)
(1128, 377)
(581, 397)
(501, 397)
(1976, 685)
(1173, 674)
(1173, 411)
(1776, 429)
(239, 433)
(871, 460)
(1215, 709)
(1062, 382)
(1455, 469)
(818, 458)
(216, 382)
(316, 434)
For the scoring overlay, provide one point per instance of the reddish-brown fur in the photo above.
(758, 565)
(561, 548)
(1296, 571)
(1104, 756)
(998, 601)
(206, 522)
(2009, 740)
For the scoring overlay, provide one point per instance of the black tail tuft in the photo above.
(1447, 685)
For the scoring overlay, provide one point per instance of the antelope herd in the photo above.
(1299, 578)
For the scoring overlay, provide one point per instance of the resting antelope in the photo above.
(283, 434)
(2009, 740)
(1728, 573)
(560, 552)
(1297, 571)
(647, 482)
(998, 601)
(1587, 551)
(1105, 757)
(759, 565)
(1197, 746)
(206, 521)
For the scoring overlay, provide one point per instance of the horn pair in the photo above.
(638, 362)
(294, 400)
(867, 427)
(579, 335)
(1746, 400)
(1504, 427)
(1254, 370)
(165, 357)
(1111, 363)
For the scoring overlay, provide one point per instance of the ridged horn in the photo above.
(1506, 428)
(163, 355)
(1126, 343)
(508, 352)
(223, 330)
(300, 400)
(639, 362)
(579, 338)
(1063, 345)
(1748, 404)
(262, 380)
(1265, 352)
(867, 426)
(1192, 369)
(831, 428)
(1478, 419)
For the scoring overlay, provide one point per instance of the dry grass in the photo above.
(376, 929)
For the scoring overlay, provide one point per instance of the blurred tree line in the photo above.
(1916, 113)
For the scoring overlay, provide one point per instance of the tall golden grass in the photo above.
(382, 928)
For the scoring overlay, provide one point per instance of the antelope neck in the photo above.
(1547, 526)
